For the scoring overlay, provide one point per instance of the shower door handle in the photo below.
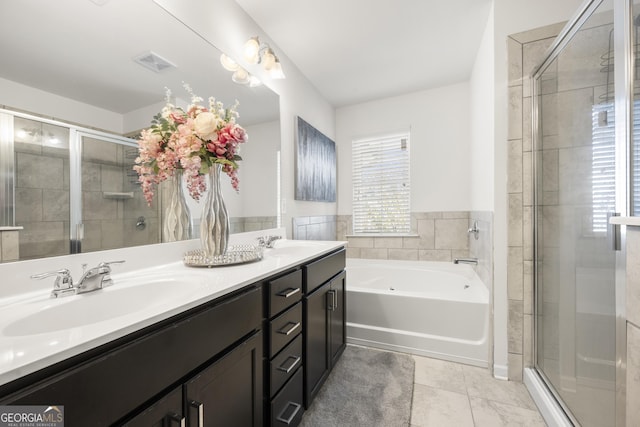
(613, 232)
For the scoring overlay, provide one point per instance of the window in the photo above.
(603, 165)
(381, 191)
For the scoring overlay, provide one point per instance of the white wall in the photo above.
(27, 99)
(439, 123)
(227, 26)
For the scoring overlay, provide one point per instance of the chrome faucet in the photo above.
(465, 261)
(267, 241)
(91, 280)
(96, 277)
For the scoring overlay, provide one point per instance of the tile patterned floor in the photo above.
(451, 394)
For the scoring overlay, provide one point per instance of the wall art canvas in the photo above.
(315, 165)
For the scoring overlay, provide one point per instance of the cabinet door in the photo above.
(229, 392)
(166, 412)
(316, 338)
(337, 317)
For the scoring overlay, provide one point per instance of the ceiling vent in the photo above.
(153, 62)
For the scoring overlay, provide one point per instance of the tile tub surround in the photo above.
(321, 227)
(436, 236)
(633, 326)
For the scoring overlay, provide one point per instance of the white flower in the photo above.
(205, 125)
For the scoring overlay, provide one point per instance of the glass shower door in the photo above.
(575, 195)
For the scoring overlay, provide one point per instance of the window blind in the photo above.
(603, 165)
(381, 190)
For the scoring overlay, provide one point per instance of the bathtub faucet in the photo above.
(465, 261)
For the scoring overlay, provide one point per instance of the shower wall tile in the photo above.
(514, 53)
(527, 129)
(28, 205)
(527, 341)
(515, 367)
(39, 239)
(95, 206)
(527, 178)
(361, 242)
(633, 276)
(99, 151)
(527, 233)
(91, 177)
(532, 55)
(112, 233)
(584, 52)
(515, 328)
(514, 161)
(527, 287)
(514, 230)
(38, 172)
(515, 112)
(482, 248)
(388, 242)
(515, 273)
(112, 178)
(55, 205)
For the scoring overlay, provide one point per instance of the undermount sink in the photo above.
(115, 301)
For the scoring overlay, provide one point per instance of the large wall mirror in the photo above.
(83, 51)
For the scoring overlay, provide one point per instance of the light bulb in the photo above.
(268, 60)
(240, 76)
(252, 50)
(228, 63)
(254, 81)
(276, 71)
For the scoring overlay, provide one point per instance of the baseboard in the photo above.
(549, 408)
(501, 372)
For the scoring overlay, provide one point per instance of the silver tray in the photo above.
(239, 254)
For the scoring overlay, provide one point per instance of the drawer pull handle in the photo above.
(175, 418)
(296, 360)
(289, 292)
(287, 421)
(290, 330)
(200, 407)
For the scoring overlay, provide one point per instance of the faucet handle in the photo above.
(108, 264)
(63, 278)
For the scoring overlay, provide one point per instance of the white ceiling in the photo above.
(359, 50)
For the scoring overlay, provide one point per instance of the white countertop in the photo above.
(24, 354)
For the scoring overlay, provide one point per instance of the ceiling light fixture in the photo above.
(261, 53)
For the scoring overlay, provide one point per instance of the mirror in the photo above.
(84, 50)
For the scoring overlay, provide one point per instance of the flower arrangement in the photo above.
(191, 140)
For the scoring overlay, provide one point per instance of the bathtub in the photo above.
(434, 309)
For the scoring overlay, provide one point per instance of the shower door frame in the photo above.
(623, 83)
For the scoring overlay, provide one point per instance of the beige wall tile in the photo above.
(55, 205)
(360, 242)
(514, 53)
(514, 181)
(28, 205)
(9, 245)
(387, 242)
(515, 326)
(515, 112)
(514, 231)
(515, 367)
(527, 179)
(38, 171)
(451, 234)
(527, 287)
(434, 255)
(515, 273)
(371, 253)
(527, 340)
(633, 375)
(403, 254)
(633, 275)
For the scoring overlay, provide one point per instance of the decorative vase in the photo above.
(214, 223)
(176, 223)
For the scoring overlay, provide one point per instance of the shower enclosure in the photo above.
(71, 189)
(583, 140)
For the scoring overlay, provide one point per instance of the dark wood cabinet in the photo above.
(324, 324)
(108, 386)
(165, 412)
(229, 392)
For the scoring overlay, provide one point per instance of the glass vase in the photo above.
(214, 223)
(176, 222)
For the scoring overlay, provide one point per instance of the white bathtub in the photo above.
(433, 309)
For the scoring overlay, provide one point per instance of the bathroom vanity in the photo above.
(254, 352)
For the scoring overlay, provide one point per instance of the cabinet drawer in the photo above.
(286, 407)
(318, 272)
(284, 292)
(284, 328)
(285, 364)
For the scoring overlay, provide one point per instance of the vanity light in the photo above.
(254, 81)
(261, 53)
(228, 63)
(241, 76)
